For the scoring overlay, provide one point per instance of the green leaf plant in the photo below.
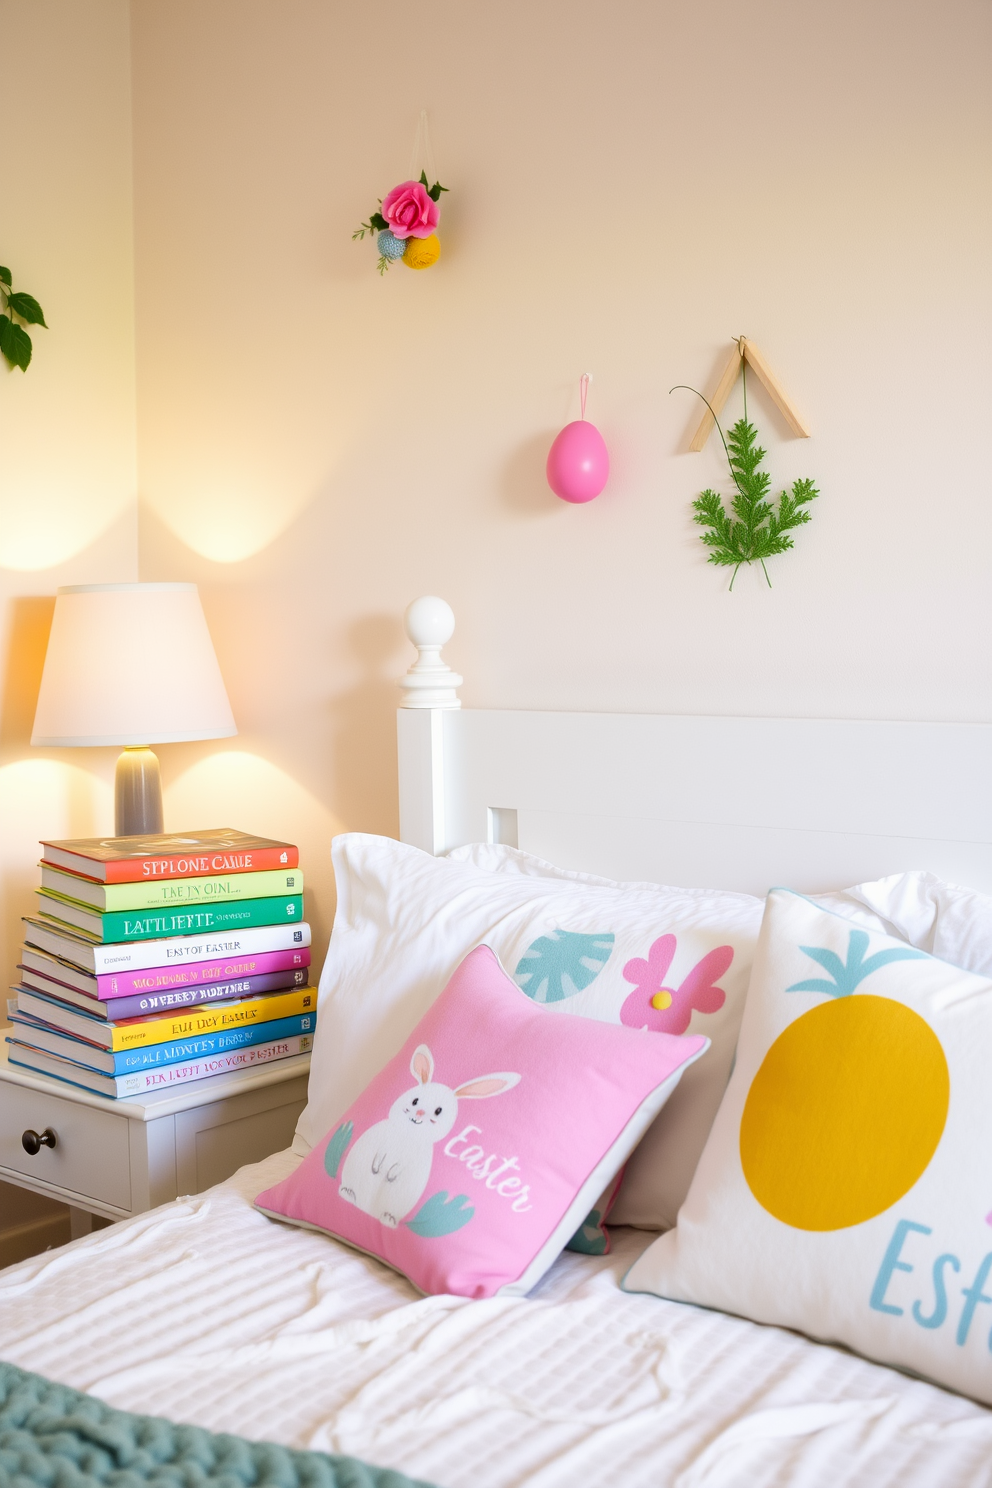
(15, 306)
(753, 528)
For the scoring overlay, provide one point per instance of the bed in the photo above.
(206, 1312)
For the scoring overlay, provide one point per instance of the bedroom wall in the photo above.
(631, 185)
(67, 430)
(67, 425)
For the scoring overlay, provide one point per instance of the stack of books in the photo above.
(154, 961)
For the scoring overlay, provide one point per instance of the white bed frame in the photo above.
(740, 803)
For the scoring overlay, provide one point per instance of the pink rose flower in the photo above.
(410, 212)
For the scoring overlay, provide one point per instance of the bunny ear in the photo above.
(486, 1085)
(699, 989)
(655, 968)
(422, 1064)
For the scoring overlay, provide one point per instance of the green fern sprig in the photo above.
(754, 528)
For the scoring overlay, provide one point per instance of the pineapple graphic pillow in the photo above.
(846, 1187)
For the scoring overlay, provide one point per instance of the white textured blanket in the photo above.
(206, 1312)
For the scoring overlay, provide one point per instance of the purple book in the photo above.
(115, 1009)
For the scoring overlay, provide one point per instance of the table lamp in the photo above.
(131, 664)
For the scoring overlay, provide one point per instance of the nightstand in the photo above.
(121, 1157)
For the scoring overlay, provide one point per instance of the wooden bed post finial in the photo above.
(430, 682)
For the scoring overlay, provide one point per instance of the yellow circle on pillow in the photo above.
(845, 1113)
(422, 252)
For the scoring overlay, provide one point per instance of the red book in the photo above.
(170, 855)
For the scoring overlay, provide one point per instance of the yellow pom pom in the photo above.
(421, 252)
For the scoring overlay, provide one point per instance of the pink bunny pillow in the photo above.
(471, 1182)
(388, 1168)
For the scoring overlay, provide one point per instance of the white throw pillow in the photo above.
(944, 919)
(844, 1189)
(640, 954)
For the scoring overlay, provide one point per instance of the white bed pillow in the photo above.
(944, 919)
(659, 1171)
(844, 1189)
(405, 920)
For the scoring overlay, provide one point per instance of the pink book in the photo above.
(109, 985)
(158, 978)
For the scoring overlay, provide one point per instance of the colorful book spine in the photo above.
(102, 864)
(140, 955)
(188, 997)
(116, 1009)
(144, 1082)
(168, 893)
(162, 979)
(119, 927)
(192, 1023)
(153, 1056)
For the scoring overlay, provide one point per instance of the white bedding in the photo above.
(206, 1312)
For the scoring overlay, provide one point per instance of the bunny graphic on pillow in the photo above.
(388, 1168)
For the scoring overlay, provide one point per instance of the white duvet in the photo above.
(206, 1312)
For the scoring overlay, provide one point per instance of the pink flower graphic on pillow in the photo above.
(668, 1009)
(410, 211)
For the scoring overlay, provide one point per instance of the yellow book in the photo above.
(136, 1033)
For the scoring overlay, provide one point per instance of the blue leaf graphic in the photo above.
(848, 975)
(441, 1215)
(334, 1151)
(883, 958)
(590, 1237)
(558, 965)
(829, 960)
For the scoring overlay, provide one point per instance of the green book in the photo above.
(194, 919)
(170, 893)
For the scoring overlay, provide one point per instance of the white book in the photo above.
(44, 968)
(89, 1007)
(143, 1082)
(84, 1025)
(137, 955)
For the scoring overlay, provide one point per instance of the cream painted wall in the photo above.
(67, 426)
(631, 184)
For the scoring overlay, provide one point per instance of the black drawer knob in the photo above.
(33, 1141)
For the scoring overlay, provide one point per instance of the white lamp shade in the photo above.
(130, 664)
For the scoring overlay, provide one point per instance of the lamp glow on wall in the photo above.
(131, 665)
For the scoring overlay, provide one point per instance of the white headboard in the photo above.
(740, 803)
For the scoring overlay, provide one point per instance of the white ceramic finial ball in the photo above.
(429, 621)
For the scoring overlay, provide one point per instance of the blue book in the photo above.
(35, 1034)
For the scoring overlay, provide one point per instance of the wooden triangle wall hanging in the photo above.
(746, 351)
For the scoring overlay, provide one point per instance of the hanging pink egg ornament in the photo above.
(578, 461)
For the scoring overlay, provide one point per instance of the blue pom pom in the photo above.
(389, 245)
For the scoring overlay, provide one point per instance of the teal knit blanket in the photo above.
(54, 1437)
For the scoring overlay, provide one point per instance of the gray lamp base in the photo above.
(137, 794)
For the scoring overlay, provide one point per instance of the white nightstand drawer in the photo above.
(91, 1157)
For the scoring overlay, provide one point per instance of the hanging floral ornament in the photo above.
(405, 226)
(578, 461)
